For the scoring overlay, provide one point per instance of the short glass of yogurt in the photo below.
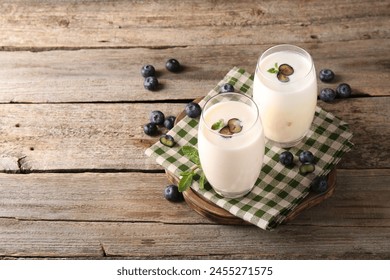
(285, 90)
(231, 143)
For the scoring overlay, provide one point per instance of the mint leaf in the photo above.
(218, 125)
(185, 181)
(202, 181)
(274, 70)
(191, 153)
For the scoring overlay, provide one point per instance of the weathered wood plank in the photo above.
(154, 240)
(28, 24)
(119, 197)
(114, 75)
(42, 137)
(77, 136)
(361, 199)
(367, 118)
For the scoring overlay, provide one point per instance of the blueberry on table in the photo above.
(306, 157)
(173, 65)
(343, 90)
(150, 129)
(157, 117)
(169, 122)
(172, 194)
(286, 158)
(148, 70)
(326, 75)
(167, 140)
(193, 110)
(227, 88)
(327, 94)
(319, 184)
(151, 83)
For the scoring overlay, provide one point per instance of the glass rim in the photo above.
(296, 49)
(247, 97)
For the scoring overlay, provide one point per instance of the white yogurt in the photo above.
(231, 164)
(286, 109)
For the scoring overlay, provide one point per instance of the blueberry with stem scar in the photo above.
(150, 129)
(326, 75)
(147, 71)
(193, 110)
(319, 184)
(172, 194)
(157, 117)
(343, 90)
(227, 88)
(151, 83)
(173, 65)
(286, 158)
(327, 95)
(306, 157)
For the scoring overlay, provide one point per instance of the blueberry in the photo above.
(151, 83)
(286, 69)
(326, 75)
(169, 122)
(286, 158)
(172, 194)
(157, 117)
(173, 65)
(147, 71)
(167, 140)
(150, 129)
(343, 90)
(306, 157)
(227, 88)
(327, 94)
(306, 168)
(193, 110)
(319, 184)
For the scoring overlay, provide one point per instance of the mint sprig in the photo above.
(274, 70)
(187, 177)
(218, 125)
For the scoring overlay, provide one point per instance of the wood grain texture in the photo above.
(111, 75)
(156, 240)
(72, 106)
(109, 136)
(28, 24)
(361, 199)
(77, 136)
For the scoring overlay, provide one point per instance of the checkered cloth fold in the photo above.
(278, 189)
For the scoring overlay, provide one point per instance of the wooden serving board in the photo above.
(217, 214)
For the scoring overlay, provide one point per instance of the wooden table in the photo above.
(75, 182)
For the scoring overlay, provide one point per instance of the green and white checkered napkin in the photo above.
(278, 189)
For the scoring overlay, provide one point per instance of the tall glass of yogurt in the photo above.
(231, 143)
(285, 90)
